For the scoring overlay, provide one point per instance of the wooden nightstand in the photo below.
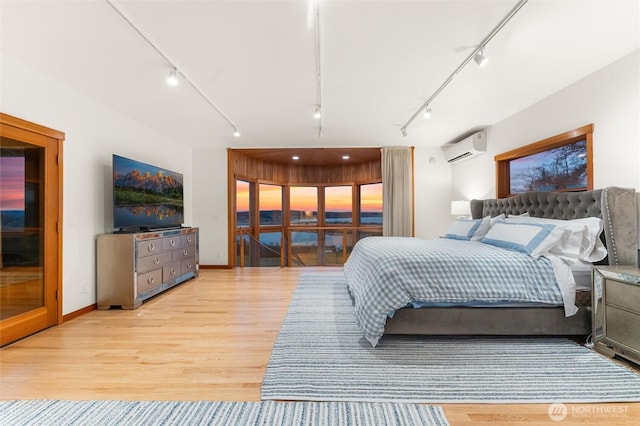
(615, 306)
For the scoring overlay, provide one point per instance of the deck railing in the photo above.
(331, 246)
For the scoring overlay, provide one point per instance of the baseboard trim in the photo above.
(215, 266)
(78, 313)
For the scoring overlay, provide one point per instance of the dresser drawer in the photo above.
(154, 261)
(149, 280)
(188, 265)
(189, 239)
(183, 253)
(171, 243)
(171, 271)
(624, 295)
(623, 327)
(147, 247)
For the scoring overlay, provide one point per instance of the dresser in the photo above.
(616, 311)
(134, 267)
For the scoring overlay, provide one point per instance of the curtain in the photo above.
(397, 191)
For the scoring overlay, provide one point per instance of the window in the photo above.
(270, 200)
(243, 212)
(317, 229)
(303, 205)
(561, 163)
(338, 205)
(371, 204)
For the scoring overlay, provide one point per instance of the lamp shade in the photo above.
(460, 208)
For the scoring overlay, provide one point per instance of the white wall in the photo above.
(608, 98)
(210, 214)
(432, 197)
(93, 133)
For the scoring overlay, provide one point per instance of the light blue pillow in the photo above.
(468, 229)
(534, 239)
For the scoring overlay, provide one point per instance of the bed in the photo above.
(538, 313)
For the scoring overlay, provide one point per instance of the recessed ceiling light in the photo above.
(295, 157)
(345, 157)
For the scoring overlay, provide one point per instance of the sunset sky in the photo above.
(12, 183)
(338, 198)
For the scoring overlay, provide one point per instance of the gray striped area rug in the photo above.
(130, 413)
(320, 355)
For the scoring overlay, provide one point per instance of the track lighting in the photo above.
(172, 80)
(480, 59)
(317, 113)
(476, 55)
(427, 113)
(173, 74)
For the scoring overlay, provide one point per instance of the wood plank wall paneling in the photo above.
(256, 169)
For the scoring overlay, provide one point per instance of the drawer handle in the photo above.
(185, 253)
(172, 243)
(188, 239)
(151, 280)
(151, 247)
(156, 260)
(189, 265)
(173, 271)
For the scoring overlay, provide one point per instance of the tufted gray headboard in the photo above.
(616, 207)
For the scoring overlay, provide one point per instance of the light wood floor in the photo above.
(207, 339)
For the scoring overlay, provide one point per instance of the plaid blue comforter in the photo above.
(387, 273)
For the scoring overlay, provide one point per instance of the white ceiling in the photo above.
(255, 60)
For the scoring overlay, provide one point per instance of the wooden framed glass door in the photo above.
(30, 228)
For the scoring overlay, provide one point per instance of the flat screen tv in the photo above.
(145, 197)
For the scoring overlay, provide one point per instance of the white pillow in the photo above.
(500, 218)
(468, 229)
(534, 239)
(581, 242)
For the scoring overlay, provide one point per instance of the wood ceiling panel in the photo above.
(313, 156)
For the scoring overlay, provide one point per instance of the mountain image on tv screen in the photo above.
(146, 196)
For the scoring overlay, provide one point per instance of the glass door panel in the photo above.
(30, 238)
(21, 221)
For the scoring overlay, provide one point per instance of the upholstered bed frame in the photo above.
(617, 208)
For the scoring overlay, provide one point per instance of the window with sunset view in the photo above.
(303, 205)
(270, 201)
(371, 204)
(338, 205)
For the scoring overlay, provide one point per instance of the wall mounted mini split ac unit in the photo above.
(469, 147)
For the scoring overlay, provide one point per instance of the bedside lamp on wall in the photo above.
(461, 209)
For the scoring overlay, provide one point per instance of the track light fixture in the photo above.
(427, 113)
(173, 74)
(480, 59)
(476, 55)
(172, 80)
(314, 6)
